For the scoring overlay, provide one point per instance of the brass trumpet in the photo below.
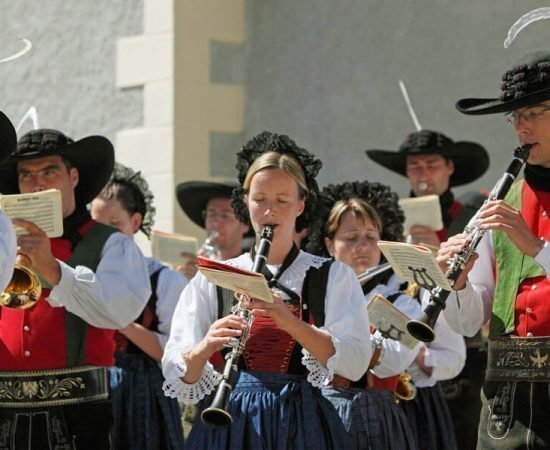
(24, 289)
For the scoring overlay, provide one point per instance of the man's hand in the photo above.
(36, 246)
(455, 244)
(189, 268)
(499, 215)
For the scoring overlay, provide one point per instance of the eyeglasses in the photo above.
(223, 216)
(529, 116)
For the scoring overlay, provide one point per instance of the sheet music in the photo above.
(167, 247)
(390, 321)
(253, 284)
(424, 210)
(414, 263)
(41, 208)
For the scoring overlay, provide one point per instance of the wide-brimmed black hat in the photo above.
(470, 159)
(8, 138)
(193, 196)
(526, 83)
(92, 156)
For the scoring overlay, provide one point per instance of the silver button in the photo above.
(27, 353)
(534, 287)
(529, 334)
(27, 328)
(529, 310)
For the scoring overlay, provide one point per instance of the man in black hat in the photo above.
(207, 203)
(434, 163)
(509, 284)
(53, 356)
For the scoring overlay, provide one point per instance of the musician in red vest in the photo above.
(509, 284)
(434, 164)
(53, 356)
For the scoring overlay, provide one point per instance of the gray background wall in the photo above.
(326, 73)
(69, 75)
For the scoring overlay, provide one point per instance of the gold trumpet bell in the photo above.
(406, 390)
(23, 290)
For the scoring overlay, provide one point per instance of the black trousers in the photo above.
(76, 427)
(514, 416)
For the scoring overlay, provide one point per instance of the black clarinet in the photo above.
(217, 416)
(422, 328)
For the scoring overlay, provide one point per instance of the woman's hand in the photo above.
(278, 311)
(220, 334)
(455, 244)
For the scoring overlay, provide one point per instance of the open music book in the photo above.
(424, 210)
(167, 247)
(252, 284)
(414, 263)
(41, 208)
(390, 321)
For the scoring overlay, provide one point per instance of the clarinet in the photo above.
(422, 328)
(217, 416)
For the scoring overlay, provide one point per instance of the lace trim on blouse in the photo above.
(319, 375)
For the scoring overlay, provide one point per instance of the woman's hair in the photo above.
(133, 193)
(274, 160)
(269, 150)
(360, 209)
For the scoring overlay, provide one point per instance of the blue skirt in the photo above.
(144, 418)
(274, 412)
(430, 420)
(372, 418)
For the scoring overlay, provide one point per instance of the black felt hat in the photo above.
(470, 159)
(92, 156)
(526, 83)
(8, 138)
(193, 196)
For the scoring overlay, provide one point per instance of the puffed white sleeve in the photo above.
(347, 322)
(396, 357)
(195, 312)
(468, 309)
(8, 248)
(112, 296)
(543, 257)
(169, 288)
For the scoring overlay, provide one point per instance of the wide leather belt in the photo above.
(55, 387)
(519, 359)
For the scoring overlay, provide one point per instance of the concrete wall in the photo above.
(327, 72)
(69, 75)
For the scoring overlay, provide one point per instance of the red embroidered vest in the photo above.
(35, 339)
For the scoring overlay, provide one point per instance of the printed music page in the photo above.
(390, 321)
(414, 263)
(168, 247)
(41, 208)
(252, 284)
(424, 210)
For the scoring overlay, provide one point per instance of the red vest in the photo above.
(453, 211)
(34, 339)
(532, 310)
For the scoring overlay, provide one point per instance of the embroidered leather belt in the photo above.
(55, 387)
(519, 359)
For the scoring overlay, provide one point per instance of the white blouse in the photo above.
(8, 248)
(112, 296)
(169, 287)
(346, 321)
(395, 357)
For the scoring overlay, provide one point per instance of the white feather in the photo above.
(409, 106)
(26, 48)
(523, 21)
(30, 114)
